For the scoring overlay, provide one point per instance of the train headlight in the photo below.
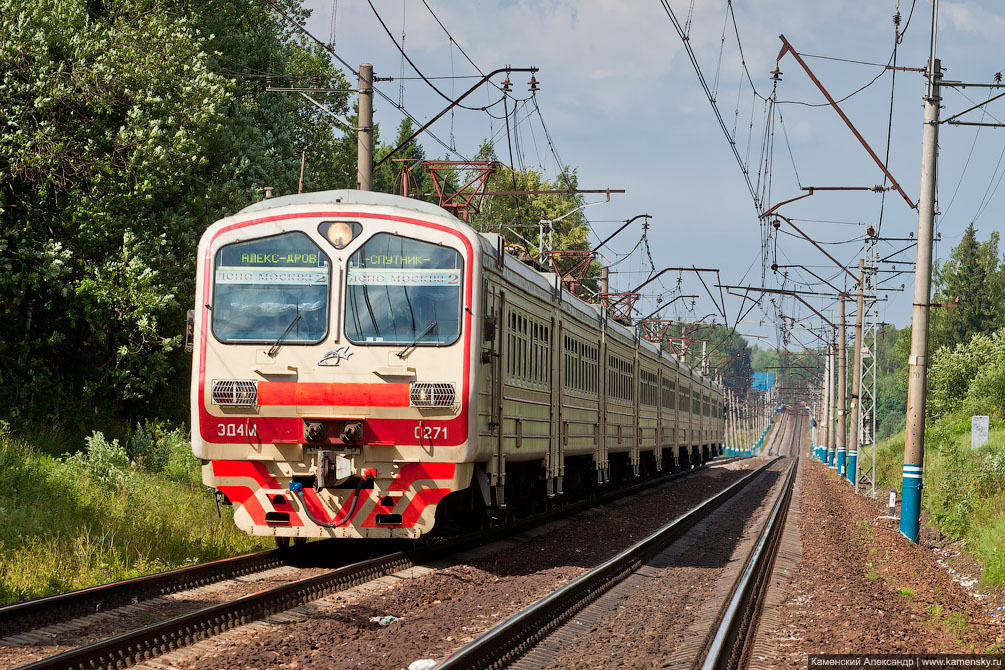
(432, 394)
(340, 233)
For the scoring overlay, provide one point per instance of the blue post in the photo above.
(831, 457)
(910, 502)
(852, 464)
(840, 460)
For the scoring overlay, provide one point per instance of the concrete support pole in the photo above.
(822, 415)
(856, 383)
(725, 423)
(732, 424)
(743, 425)
(914, 441)
(830, 403)
(364, 133)
(842, 388)
(727, 412)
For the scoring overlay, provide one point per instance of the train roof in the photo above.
(545, 281)
(349, 197)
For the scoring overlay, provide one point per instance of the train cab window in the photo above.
(269, 288)
(403, 291)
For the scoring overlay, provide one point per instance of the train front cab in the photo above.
(332, 371)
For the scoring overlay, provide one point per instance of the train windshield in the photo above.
(403, 291)
(270, 286)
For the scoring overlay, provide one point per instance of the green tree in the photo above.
(406, 164)
(517, 217)
(971, 280)
(125, 130)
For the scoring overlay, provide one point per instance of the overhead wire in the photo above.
(966, 163)
(788, 145)
(412, 64)
(708, 93)
(889, 125)
(303, 29)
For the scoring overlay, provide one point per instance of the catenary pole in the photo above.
(914, 440)
(856, 372)
(732, 424)
(825, 406)
(842, 386)
(364, 132)
(829, 456)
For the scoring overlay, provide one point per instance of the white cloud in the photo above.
(968, 18)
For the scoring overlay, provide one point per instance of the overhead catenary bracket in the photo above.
(788, 48)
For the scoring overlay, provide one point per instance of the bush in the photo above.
(968, 377)
(145, 451)
(103, 460)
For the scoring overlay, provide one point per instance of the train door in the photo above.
(559, 433)
(636, 446)
(495, 308)
(600, 429)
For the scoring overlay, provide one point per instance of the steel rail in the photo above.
(509, 640)
(30, 614)
(738, 617)
(150, 641)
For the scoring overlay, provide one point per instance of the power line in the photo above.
(412, 63)
(296, 24)
(711, 99)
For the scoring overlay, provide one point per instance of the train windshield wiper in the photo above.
(274, 349)
(430, 328)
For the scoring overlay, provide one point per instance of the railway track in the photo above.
(153, 639)
(730, 636)
(21, 617)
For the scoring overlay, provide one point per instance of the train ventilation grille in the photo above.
(427, 394)
(232, 393)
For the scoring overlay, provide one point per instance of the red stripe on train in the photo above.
(335, 395)
(252, 469)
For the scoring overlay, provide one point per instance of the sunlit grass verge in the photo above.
(104, 514)
(964, 492)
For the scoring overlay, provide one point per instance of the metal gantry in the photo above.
(866, 480)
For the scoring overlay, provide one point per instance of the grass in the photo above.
(964, 492)
(69, 523)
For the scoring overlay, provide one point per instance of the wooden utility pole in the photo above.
(364, 130)
(914, 440)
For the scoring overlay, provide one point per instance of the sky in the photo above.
(621, 102)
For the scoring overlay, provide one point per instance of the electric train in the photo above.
(369, 366)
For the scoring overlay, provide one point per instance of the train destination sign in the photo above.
(395, 260)
(286, 276)
(235, 255)
(368, 277)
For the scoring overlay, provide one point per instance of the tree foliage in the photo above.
(971, 280)
(729, 355)
(969, 377)
(125, 130)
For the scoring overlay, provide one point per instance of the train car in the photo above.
(366, 364)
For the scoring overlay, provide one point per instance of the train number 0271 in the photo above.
(236, 430)
(430, 432)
